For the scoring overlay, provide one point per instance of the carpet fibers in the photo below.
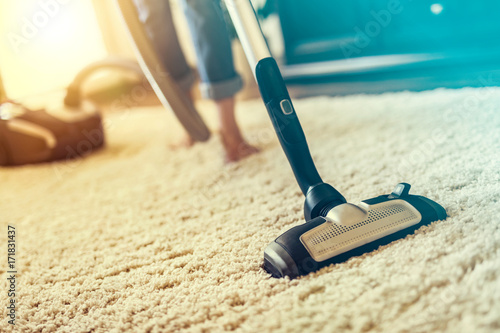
(145, 238)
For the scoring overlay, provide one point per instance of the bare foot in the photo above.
(236, 147)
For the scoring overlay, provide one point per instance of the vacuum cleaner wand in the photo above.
(281, 111)
(336, 230)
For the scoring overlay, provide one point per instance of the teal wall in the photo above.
(317, 30)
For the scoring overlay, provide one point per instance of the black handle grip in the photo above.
(286, 123)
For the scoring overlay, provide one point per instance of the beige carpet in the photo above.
(139, 237)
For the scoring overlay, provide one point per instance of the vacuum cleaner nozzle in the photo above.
(349, 230)
(336, 230)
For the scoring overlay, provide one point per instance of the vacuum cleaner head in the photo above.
(349, 230)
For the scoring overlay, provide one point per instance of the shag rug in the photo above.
(141, 237)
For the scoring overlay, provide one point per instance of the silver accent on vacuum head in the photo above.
(349, 226)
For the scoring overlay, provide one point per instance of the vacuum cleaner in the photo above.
(335, 229)
(50, 128)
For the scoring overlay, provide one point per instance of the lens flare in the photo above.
(47, 42)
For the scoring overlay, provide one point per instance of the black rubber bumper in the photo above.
(278, 262)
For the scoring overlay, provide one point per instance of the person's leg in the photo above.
(235, 145)
(219, 80)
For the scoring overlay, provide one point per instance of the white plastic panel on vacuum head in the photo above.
(330, 238)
